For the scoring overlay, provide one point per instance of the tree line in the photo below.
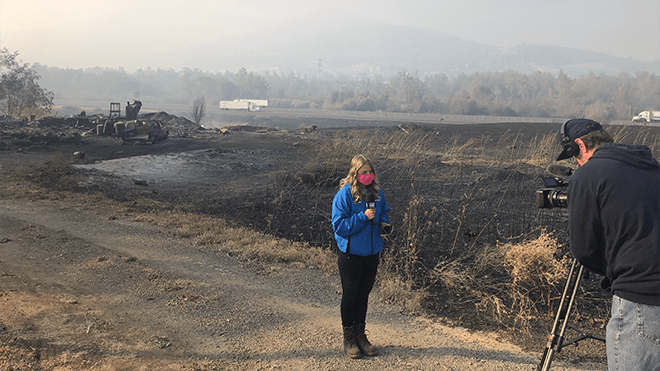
(505, 93)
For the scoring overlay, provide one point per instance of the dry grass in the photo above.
(625, 134)
(532, 264)
(534, 272)
(507, 281)
(403, 157)
(242, 242)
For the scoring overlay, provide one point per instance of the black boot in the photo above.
(363, 343)
(350, 343)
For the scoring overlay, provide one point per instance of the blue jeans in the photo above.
(633, 336)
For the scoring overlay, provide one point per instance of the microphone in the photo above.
(560, 170)
(370, 201)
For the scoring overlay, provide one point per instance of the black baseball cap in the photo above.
(571, 130)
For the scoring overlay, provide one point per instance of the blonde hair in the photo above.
(357, 188)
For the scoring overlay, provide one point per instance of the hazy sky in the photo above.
(122, 33)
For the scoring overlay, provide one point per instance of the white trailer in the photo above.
(258, 102)
(238, 105)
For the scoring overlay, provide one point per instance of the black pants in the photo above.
(358, 274)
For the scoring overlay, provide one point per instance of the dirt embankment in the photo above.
(85, 286)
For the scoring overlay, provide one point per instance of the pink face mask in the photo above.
(366, 179)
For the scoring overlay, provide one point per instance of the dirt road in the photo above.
(82, 288)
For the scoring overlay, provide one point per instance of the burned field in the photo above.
(462, 201)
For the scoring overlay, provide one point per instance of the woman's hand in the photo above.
(370, 213)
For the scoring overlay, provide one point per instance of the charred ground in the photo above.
(282, 182)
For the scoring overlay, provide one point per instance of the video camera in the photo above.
(555, 193)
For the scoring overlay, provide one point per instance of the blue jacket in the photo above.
(353, 227)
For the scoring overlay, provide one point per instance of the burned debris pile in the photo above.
(16, 134)
(53, 130)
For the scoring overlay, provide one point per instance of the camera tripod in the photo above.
(556, 337)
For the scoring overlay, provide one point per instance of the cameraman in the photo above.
(614, 230)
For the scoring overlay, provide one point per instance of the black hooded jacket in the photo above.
(614, 219)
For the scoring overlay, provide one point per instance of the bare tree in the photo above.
(198, 109)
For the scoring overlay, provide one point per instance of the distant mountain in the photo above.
(362, 48)
(574, 62)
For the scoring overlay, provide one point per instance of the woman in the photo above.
(358, 210)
